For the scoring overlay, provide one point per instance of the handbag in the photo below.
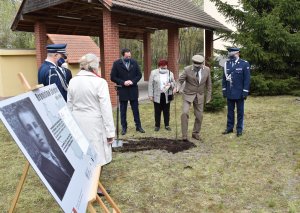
(170, 96)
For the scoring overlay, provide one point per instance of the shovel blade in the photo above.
(117, 143)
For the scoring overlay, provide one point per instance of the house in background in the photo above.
(210, 8)
(77, 46)
(13, 61)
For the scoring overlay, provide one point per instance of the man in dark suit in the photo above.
(126, 73)
(54, 165)
(235, 86)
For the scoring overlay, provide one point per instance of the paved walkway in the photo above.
(143, 90)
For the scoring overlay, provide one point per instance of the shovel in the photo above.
(176, 135)
(117, 142)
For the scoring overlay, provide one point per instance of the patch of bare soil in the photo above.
(143, 144)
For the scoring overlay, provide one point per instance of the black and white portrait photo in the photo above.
(39, 144)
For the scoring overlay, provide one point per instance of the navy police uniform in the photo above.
(50, 73)
(235, 85)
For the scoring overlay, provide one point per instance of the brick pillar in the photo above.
(102, 58)
(209, 46)
(173, 51)
(147, 56)
(111, 49)
(40, 42)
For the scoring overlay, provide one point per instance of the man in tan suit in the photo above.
(197, 78)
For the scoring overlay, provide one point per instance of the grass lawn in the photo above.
(258, 172)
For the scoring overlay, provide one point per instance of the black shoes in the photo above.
(168, 128)
(196, 136)
(140, 129)
(238, 134)
(227, 132)
(156, 129)
(185, 139)
(100, 193)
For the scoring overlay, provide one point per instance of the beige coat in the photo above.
(154, 86)
(89, 102)
(193, 89)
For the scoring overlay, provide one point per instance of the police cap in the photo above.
(198, 59)
(57, 48)
(233, 49)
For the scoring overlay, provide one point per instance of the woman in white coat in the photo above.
(89, 102)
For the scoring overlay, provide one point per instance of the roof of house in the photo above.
(134, 17)
(184, 11)
(77, 46)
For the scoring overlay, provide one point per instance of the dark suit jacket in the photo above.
(56, 178)
(120, 74)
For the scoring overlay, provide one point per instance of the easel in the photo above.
(96, 198)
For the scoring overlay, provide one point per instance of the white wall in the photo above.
(210, 8)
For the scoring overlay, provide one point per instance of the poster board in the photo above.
(52, 142)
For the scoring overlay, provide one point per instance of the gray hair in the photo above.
(89, 62)
(50, 54)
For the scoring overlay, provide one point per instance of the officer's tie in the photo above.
(232, 63)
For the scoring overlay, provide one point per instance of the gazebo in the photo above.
(111, 20)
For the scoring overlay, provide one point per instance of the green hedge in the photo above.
(262, 85)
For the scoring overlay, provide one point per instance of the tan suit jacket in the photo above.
(193, 89)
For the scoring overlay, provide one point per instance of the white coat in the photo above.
(89, 102)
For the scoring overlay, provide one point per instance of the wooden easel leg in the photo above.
(19, 188)
(109, 199)
(102, 204)
(91, 208)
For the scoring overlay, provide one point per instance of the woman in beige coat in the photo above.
(160, 87)
(89, 102)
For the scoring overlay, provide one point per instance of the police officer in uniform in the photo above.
(50, 72)
(62, 63)
(235, 85)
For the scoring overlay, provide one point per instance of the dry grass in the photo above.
(259, 172)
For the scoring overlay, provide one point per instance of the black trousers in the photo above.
(135, 111)
(162, 107)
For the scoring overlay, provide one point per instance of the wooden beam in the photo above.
(66, 22)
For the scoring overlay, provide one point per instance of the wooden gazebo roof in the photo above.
(84, 17)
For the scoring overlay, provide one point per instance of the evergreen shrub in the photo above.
(261, 85)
